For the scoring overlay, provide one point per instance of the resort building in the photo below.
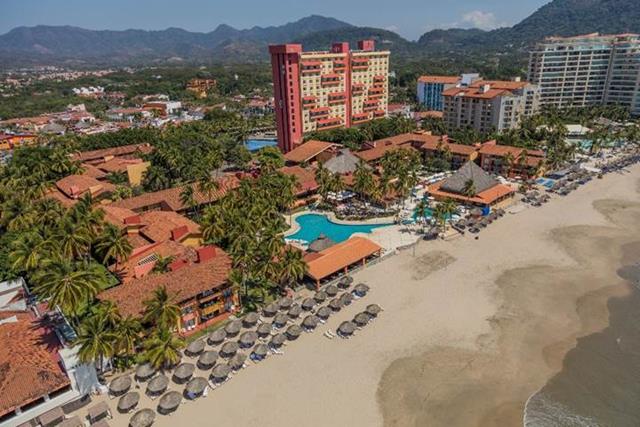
(510, 161)
(585, 70)
(375, 150)
(472, 186)
(306, 184)
(310, 152)
(73, 187)
(201, 87)
(487, 105)
(430, 89)
(345, 162)
(316, 91)
(199, 281)
(339, 258)
(454, 155)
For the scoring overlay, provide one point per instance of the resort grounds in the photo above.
(471, 328)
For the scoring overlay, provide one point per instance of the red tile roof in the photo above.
(114, 151)
(92, 171)
(486, 197)
(184, 283)
(493, 149)
(74, 186)
(118, 164)
(307, 151)
(500, 84)
(475, 92)
(439, 79)
(464, 150)
(28, 367)
(306, 178)
(339, 256)
(159, 225)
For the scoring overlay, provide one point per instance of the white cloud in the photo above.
(480, 19)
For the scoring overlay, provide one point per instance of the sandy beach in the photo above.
(471, 328)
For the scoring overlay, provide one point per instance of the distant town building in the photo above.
(487, 105)
(201, 87)
(89, 92)
(430, 88)
(588, 70)
(325, 90)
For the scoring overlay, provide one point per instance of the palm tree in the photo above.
(108, 312)
(96, 341)
(128, 334)
(469, 189)
(112, 244)
(155, 179)
(292, 267)
(162, 309)
(73, 238)
(443, 212)
(323, 177)
(162, 348)
(363, 180)
(507, 164)
(188, 197)
(162, 264)
(422, 210)
(27, 252)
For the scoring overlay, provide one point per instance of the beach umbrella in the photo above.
(270, 310)
(373, 310)
(233, 328)
(120, 385)
(216, 337)
(207, 360)
(345, 282)
(195, 348)
(346, 328)
(361, 319)
(335, 304)
(280, 320)
(308, 304)
(320, 244)
(237, 361)
(323, 312)
(142, 418)
(277, 340)
(260, 350)
(157, 385)
(221, 372)
(250, 319)
(145, 371)
(346, 298)
(310, 322)
(361, 289)
(195, 387)
(295, 311)
(169, 402)
(285, 303)
(247, 339)
(264, 329)
(293, 332)
(128, 401)
(331, 290)
(229, 349)
(320, 296)
(184, 372)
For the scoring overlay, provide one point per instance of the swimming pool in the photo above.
(545, 182)
(312, 225)
(256, 144)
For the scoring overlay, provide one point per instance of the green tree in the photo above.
(162, 348)
(162, 309)
(96, 341)
(113, 245)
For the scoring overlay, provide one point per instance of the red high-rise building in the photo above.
(327, 89)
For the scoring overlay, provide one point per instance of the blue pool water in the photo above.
(545, 182)
(312, 225)
(256, 144)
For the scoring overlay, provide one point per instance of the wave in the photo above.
(543, 411)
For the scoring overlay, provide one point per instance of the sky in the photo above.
(409, 18)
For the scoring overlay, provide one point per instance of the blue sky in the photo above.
(410, 18)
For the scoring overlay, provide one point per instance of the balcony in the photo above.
(339, 66)
(379, 79)
(329, 123)
(330, 80)
(311, 67)
(309, 102)
(337, 98)
(379, 113)
(318, 113)
(360, 64)
(360, 118)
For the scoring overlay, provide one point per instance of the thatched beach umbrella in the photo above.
(320, 244)
(285, 303)
(233, 328)
(346, 298)
(250, 319)
(295, 311)
(331, 290)
(308, 304)
(237, 361)
(373, 310)
(310, 322)
(320, 296)
(217, 336)
(260, 350)
(145, 371)
(345, 282)
(195, 348)
(270, 310)
(323, 312)
(207, 360)
(335, 304)
(157, 385)
(128, 401)
(195, 387)
(361, 289)
(277, 340)
(169, 402)
(361, 319)
(346, 328)
(293, 332)
(120, 385)
(184, 372)
(143, 418)
(229, 349)
(221, 372)
(264, 329)
(280, 320)
(247, 339)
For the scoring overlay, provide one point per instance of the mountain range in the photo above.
(56, 44)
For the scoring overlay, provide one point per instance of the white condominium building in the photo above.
(588, 70)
